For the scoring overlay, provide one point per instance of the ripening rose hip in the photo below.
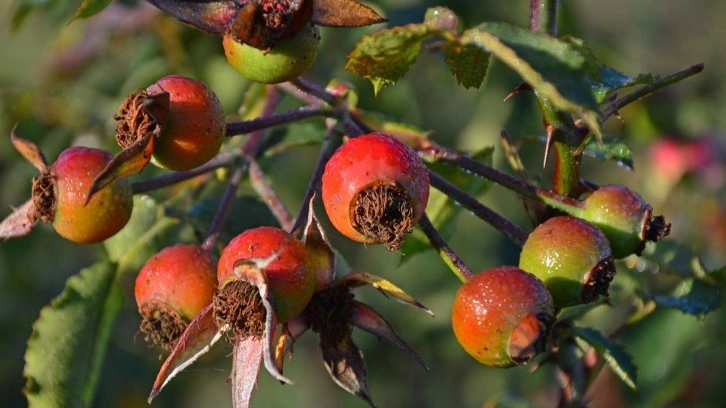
(171, 289)
(625, 218)
(289, 278)
(60, 194)
(502, 316)
(286, 60)
(572, 257)
(192, 124)
(375, 189)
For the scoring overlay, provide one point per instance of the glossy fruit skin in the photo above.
(285, 61)
(195, 126)
(622, 215)
(182, 276)
(562, 252)
(108, 210)
(368, 160)
(290, 279)
(488, 308)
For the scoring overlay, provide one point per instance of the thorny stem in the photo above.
(446, 253)
(267, 193)
(332, 141)
(512, 231)
(224, 205)
(261, 123)
(649, 89)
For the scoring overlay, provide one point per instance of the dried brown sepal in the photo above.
(44, 197)
(383, 213)
(598, 280)
(238, 304)
(29, 150)
(329, 313)
(344, 13)
(530, 337)
(261, 24)
(161, 324)
(656, 229)
(346, 366)
(141, 114)
(20, 222)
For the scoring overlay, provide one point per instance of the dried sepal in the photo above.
(29, 150)
(129, 161)
(20, 222)
(387, 288)
(246, 359)
(344, 13)
(321, 257)
(346, 366)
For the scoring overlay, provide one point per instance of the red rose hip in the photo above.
(171, 289)
(289, 279)
(502, 316)
(375, 189)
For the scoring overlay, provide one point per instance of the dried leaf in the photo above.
(247, 356)
(347, 368)
(196, 340)
(19, 222)
(29, 150)
(387, 288)
(344, 13)
(291, 331)
(364, 317)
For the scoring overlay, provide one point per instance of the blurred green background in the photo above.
(61, 83)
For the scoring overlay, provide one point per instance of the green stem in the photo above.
(451, 259)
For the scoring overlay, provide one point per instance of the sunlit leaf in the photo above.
(66, 350)
(198, 338)
(387, 288)
(609, 149)
(614, 354)
(385, 56)
(551, 67)
(90, 8)
(364, 317)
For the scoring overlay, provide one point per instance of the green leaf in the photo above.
(551, 67)
(467, 62)
(444, 211)
(578, 311)
(90, 8)
(66, 350)
(614, 354)
(147, 232)
(385, 56)
(610, 149)
(693, 296)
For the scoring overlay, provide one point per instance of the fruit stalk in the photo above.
(452, 260)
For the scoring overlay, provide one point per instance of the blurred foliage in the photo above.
(61, 83)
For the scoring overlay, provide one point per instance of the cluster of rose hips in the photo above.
(375, 189)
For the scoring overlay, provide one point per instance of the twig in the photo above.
(265, 122)
(166, 180)
(512, 231)
(224, 205)
(313, 88)
(268, 195)
(455, 263)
